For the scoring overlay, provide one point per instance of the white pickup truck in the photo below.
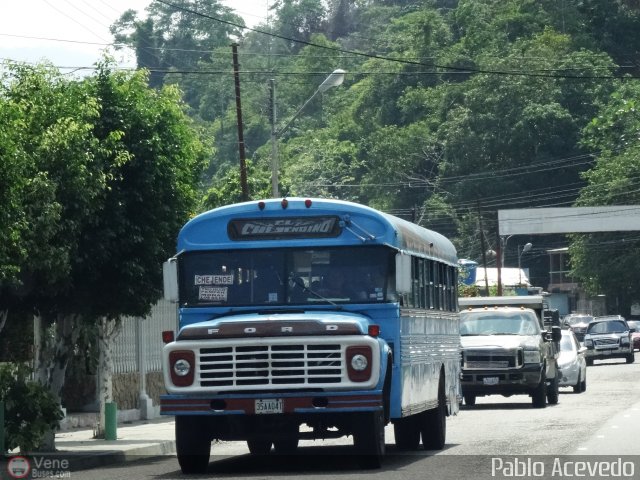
(506, 349)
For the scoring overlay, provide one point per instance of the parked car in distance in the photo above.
(573, 366)
(608, 337)
(635, 336)
(577, 323)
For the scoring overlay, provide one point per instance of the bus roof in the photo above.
(359, 225)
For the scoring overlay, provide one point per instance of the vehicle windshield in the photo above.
(287, 276)
(567, 344)
(498, 323)
(574, 319)
(611, 326)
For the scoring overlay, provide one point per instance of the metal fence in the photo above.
(143, 337)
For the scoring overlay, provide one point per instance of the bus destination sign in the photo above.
(278, 228)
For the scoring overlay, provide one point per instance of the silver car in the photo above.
(573, 366)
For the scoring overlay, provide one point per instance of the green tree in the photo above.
(608, 263)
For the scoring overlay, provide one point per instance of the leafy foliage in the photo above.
(30, 409)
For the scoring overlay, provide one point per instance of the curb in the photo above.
(102, 458)
(87, 460)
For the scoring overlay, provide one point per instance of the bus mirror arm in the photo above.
(363, 238)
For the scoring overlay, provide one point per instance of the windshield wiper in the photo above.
(297, 281)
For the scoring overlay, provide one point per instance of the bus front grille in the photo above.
(296, 365)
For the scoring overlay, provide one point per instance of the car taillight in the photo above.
(182, 365)
(359, 359)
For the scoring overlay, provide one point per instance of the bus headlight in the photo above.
(181, 367)
(359, 363)
(181, 364)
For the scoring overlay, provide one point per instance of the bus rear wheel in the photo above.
(434, 422)
(407, 433)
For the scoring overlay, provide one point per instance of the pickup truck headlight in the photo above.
(624, 341)
(588, 343)
(531, 356)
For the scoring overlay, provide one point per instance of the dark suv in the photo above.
(608, 337)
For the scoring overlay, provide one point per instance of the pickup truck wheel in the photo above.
(539, 395)
(589, 362)
(553, 391)
(583, 385)
(193, 444)
(407, 433)
(259, 446)
(469, 400)
(631, 358)
(434, 422)
(368, 439)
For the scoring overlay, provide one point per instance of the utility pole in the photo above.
(484, 250)
(243, 165)
(499, 261)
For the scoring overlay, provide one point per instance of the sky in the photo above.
(73, 33)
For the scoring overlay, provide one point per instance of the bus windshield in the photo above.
(287, 276)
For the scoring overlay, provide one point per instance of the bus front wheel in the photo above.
(368, 439)
(193, 444)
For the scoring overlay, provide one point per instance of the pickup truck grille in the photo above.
(271, 365)
(492, 359)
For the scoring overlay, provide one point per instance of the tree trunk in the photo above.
(3, 318)
(53, 350)
(107, 329)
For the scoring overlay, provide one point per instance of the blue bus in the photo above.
(307, 319)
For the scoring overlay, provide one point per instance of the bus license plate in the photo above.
(270, 405)
(490, 380)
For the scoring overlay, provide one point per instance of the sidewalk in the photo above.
(135, 440)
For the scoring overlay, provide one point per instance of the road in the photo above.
(604, 420)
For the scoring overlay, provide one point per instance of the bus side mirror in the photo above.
(170, 279)
(403, 273)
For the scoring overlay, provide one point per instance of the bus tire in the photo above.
(286, 446)
(193, 444)
(259, 446)
(407, 433)
(368, 439)
(434, 422)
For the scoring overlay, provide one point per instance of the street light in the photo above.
(525, 248)
(334, 79)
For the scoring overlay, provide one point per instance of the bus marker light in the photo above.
(261, 205)
(373, 330)
(307, 203)
(167, 336)
(284, 203)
